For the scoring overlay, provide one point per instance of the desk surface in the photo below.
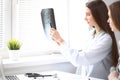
(59, 76)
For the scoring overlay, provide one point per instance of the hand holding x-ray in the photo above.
(48, 20)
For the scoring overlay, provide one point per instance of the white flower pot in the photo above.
(14, 54)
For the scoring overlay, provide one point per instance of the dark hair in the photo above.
(115, 13)
(99, 11)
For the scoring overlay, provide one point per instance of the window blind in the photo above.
(2, 23)
(28, 25)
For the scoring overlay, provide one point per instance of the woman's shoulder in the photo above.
(105, 36)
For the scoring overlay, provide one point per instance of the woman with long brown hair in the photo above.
(100, 52)
(114, 21)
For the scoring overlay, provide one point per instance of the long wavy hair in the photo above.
(99, 11)
(115, 13)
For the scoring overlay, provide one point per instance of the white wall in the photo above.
(108, 2)
(38, 64)
(117, 34)
(66, 67)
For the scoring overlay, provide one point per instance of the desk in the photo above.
(60, 75)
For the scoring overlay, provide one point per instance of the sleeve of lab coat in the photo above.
(94, 54)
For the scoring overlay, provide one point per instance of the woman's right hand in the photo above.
(113, 75)
(56, 36)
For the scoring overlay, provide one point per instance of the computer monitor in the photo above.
(2, 76)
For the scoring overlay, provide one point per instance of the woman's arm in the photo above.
(95, 53)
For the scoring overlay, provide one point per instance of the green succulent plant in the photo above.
(14, 44)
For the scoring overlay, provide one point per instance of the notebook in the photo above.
(48, 20)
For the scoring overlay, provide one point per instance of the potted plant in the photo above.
(14, 49)
(14, 44)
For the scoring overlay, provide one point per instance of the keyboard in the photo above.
(32, 76)
(12, 77)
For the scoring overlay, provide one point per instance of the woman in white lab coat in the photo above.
(114, 21)
(100, 52)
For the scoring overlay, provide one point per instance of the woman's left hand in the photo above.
(113, 75)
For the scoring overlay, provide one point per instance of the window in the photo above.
(78, 28)
(2, 23)
(27, 24)
(21, 19)
(5, 24)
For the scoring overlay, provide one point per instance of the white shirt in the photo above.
(95, 59)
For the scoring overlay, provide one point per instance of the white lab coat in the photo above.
(95, 59)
